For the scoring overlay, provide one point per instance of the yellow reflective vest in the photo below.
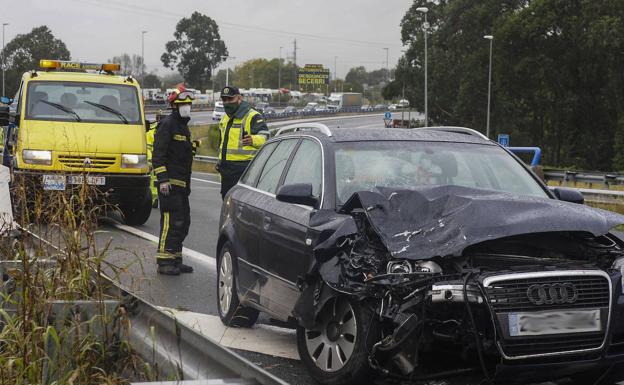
(232, 129)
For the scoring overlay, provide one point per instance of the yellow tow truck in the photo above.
(75, 120)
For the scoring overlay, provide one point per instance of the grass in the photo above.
(47, 335)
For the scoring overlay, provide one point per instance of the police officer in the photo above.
(172, 159)
(243, 131)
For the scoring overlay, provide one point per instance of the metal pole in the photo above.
(335, 61)
(426, 93)
(403, 81)
(387, 67)
(279, 79)
(487, 127)
(143, 54)
(3, 59)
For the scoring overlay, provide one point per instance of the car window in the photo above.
(272, 171)
(251, 175)
(307, 167)
(364, 166)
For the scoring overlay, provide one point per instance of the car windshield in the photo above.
(367, 165)
(91, 102)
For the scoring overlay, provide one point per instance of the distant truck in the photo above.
(345, 100)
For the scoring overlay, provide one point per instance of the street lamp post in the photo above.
(3, 58)
(279, 79)
(487, 127)
(387, 67)
(143, 54)
(425, 27)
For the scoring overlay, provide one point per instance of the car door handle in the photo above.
(266, 223)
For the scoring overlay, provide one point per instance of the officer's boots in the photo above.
(182, 267)
(168, 269)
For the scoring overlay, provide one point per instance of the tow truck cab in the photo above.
(75, 120)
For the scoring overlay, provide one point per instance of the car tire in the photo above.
(231, 312)
(137, 214)
(336, 350)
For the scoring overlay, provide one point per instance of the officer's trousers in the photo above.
(230, 174)
(175, 220)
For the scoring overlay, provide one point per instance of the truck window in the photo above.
(90, 102)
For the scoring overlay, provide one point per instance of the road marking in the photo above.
(265, 339)
(206, 181)
(196, 255)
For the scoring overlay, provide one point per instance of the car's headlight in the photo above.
(133, 161)
(37, 157)
(618, 264)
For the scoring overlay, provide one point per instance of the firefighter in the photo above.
(149, 136)
(172, 159)
(243, 131)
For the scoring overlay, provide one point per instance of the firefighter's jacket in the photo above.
(245, 121)
(173, 151)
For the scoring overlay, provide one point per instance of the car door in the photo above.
(246, 216)
(260, 198)
(284, 253)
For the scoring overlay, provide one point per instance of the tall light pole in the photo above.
(143, 54)
(3, 59)
(387, 67)
(487, 127)
(279, 79)
(425, 28)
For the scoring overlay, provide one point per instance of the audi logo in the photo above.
(556, 293)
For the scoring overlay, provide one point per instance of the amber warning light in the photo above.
(69, 65)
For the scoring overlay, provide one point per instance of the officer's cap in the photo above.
(228, 92)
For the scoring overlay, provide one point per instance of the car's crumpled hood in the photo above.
(425, 222)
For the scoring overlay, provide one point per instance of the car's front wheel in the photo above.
(336, 350)
(231, 312)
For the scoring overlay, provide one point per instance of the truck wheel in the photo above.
(137, 214)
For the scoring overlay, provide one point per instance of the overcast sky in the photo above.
(356, 31)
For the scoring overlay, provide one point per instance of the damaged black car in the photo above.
(423, 254)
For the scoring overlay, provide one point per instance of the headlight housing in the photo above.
(133, 161)
(618, 264)
(37, 157)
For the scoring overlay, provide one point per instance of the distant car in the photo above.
(260, 107)
(392, 107)
(365, 108)
(290, 110)
(310, 107)
(379, 107)
(322, 108)
(218, 111)
(269, 111)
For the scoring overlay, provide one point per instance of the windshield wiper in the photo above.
(109, 109)
(61, 107)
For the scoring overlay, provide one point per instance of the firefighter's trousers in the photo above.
(175, 220)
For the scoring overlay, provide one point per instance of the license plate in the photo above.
(54, 182)
(554, 322)
(91, 180)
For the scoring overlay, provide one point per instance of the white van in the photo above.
(218, 111)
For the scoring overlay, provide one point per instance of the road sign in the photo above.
(503, 139)
(388, 115)
(388, 123)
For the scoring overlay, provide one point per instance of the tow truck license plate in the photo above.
(54, 182)
(554, 322)
(91, 180)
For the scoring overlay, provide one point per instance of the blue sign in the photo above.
(388, 115)
(503, 139)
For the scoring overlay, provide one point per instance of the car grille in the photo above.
(80, 162)
(508, 294)
(511, 296)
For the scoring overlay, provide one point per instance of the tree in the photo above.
(196, 50)
(151, 81)
(130, 65)
(24, 52)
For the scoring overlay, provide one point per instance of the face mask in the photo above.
(230, 108)
(185, 111)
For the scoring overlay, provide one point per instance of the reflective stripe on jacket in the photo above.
(246, 121)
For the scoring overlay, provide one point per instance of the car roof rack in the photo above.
(459, 130)
(319, 127)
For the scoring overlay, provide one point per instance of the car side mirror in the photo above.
(297, 193)
(4, 115)
(569, 195)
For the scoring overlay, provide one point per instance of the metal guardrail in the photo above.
(593, 177)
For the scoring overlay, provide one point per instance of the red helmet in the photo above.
(180, 95)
